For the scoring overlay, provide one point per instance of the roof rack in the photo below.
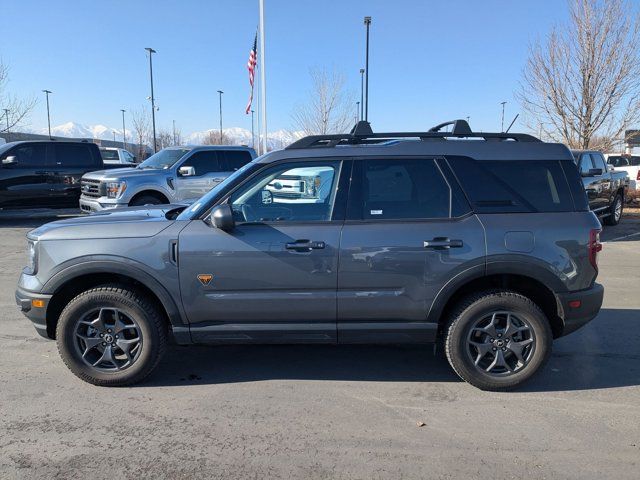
(363, 134)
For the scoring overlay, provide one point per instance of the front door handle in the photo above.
(442, 243)
(305, 245)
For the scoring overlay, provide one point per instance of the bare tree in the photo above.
(142, 129)
(164, 139)
(329, 108)
(213, 137)
(582, 85)
(13, 110)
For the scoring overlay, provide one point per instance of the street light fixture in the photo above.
(47, 92)
(220, 92)
(124, 131)
(367, 22)
(153, 101)
(6, 116)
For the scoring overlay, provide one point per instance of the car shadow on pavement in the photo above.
(34, 218)
(598, 356)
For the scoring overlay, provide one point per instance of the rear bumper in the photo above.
(577, 316)
(37, 315)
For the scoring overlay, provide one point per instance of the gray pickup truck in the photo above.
(606, 189)
(175, 174)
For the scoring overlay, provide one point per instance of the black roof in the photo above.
(460, 141)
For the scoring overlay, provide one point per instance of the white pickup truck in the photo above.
(629, 164)
(117, 155)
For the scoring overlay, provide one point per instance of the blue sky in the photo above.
(431, 61)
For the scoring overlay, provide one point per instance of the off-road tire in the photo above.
(463, 318)
(136, 306)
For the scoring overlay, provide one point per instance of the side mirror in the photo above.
(10, 160)
(222, 218)
(187, 171)
(594, 172)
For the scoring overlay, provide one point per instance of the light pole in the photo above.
(6, 116)
(502, 122)
(361, 92)
(124, 131)
(468, 118)
(357, 111)
(174, 133)
(253, 135)
(114, 136)
(47, 92)
(367, 22)
(220, 92)
(153, 100)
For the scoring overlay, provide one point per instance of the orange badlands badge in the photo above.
(205, 278)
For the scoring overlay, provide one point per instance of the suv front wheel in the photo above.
(497, 340)
(111, 336)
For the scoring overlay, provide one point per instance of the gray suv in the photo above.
(174, 174)
(481, 241)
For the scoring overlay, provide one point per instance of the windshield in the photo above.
(200, 205)
(164, 158)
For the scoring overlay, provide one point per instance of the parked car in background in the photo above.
(117, 155)
(629, 164)
(485, 244)
(45, 173)
(606, 188)
(174, 174)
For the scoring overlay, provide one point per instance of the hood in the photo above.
(124, 173)
(138, 222)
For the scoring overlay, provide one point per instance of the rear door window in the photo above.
(236, 159)
(396, 189)
(598, 162)
(205, 161)
(513, 186)
(73, 155)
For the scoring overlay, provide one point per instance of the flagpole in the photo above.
(263, 86)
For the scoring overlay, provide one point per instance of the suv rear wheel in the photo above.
(497, 340)
(111, 336)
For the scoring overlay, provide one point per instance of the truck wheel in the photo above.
(111, 336)
(145, 200)
(615, 213)
(497, 340)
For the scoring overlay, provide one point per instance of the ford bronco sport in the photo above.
(481, 241)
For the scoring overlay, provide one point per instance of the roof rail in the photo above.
(363, 134)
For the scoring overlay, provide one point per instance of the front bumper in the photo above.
(577, 316)
(37, 315)
(90, 205)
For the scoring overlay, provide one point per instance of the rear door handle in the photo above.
(442, 243)
(305, 245)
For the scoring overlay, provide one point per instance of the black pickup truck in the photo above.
(45, 174)
(606, 189)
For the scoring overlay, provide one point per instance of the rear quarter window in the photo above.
(514, 186)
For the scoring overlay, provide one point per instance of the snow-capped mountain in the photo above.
(239, 136)
(76, 130)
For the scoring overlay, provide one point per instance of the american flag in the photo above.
(251, 66)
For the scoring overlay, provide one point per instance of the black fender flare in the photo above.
(119, 266)
(512, 266)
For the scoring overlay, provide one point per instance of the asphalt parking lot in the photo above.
(327, 412)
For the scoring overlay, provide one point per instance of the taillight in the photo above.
(594, 247)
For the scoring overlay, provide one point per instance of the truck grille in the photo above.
(91, 188)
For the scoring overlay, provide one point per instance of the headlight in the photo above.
(116, 189)
(33, 257)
